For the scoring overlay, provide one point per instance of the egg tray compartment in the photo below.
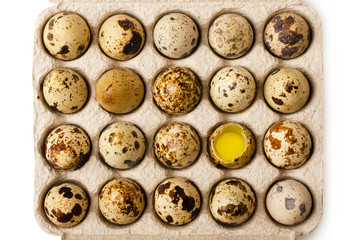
(259, 173)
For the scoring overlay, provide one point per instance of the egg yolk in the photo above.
(230, 144)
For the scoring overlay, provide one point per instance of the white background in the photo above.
(17, 19)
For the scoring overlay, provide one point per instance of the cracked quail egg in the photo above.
(66, 36)
(67, 147)
(122, 201)
(177, 91)
(66, 205)
(289, 202)
(65, 90)
(286, 90)
(287, 144)
(231, 36)
(176, 35)
(287, 35)
(122, 145)
(177, 201)
(232, 89)
(176, 145)
(120, 91)
(232, 202)
(231, 145)
(121, 37)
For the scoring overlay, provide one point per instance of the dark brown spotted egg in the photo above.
(66, 205)
(121, 37)
(67, 147)
(286, 90)
(120, 90)
(232, 89)
(177, 145)
(65, 90)
(66, 36)
(122, 201)
(287, 35)
(232, 202)
(177, 201)
(176, 35)
(122, 145)
(231, 36)
(289, 202)
(287, 144)
(177, 91)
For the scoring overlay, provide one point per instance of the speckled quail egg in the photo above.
(232, 202)
(287, 35)
(120, 91)
(231, 145)
(66, 204)
(176, 145)
(177, 91)
(232, 89)
(122, 145)
(67, 147)
(177, 201)
(289, 202)
(286, 90)
(121, 37)
(231, 36)
(176, 35)
(122, 201)
(287, 144)
(66, 36)
(65, 90)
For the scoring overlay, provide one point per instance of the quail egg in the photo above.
(286, 90)
(232, 89)
(231, 36)
(120, 91)
(176, 35)
(232, 202)
(65, 90)
(67, 147)
(177, 91)
(287, 35)
(66, 36)
(177, 201)
(289, 202)
(122, 201)
(177, 145)
(287, 144)
(122, 145)
(66, 205)
(121, 37)
(231, 145)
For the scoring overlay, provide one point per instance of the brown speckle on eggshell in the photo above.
(67, 147)
(177, 91)
(232, 202)
(122, 201)
(120, 90)
(287, 144)
(287, 35)
(66, 205)
(176, 145)
(177, 201)
(65, 90)
(121, 37)
(122, 145)
(231, 35)
(66, 36)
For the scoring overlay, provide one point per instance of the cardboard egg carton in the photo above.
(259, 173)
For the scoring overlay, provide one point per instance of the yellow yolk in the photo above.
(230, 144)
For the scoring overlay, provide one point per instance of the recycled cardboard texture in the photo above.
(259, 173)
